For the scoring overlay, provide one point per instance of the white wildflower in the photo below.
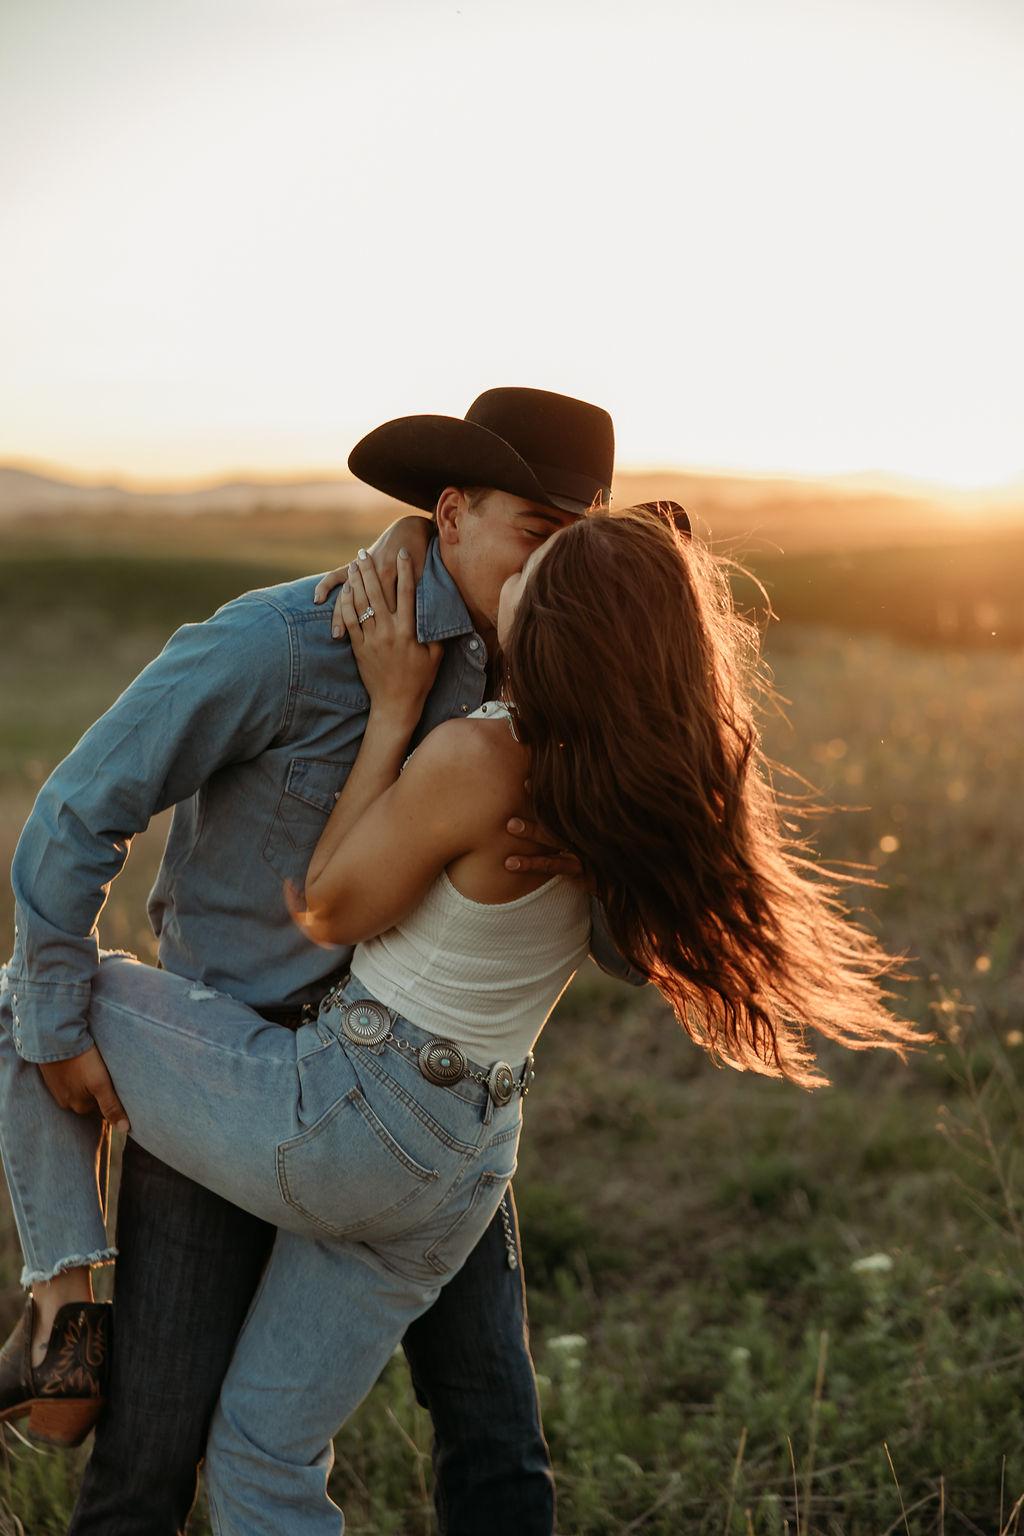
(568, 1344)
(872, 1264)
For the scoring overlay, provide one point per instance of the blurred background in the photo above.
(781, 241)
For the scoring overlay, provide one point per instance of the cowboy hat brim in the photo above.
(413, 458)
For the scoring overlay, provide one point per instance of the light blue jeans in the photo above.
(380, 1181)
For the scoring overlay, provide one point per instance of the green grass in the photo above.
(963, 595)
(754, 1309)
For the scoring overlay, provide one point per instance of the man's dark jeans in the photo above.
(187, 1268)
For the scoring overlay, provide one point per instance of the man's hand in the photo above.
(556, 861)
(83, 1084)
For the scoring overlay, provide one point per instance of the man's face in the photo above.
(484, 545)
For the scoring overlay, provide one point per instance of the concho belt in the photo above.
(367, 1022)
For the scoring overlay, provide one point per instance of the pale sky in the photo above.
(765, 234)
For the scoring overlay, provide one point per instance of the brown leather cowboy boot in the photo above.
(62, 1396)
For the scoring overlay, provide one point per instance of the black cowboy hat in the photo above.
(548, 448)
(671, 512)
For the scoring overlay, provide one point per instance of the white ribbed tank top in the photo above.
(485, 975)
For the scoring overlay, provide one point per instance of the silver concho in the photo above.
(442, 1062)
(501, 1082)
(365, 1022)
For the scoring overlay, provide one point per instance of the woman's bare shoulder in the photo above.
(480, 753)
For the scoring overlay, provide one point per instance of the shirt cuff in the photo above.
(47, 1019)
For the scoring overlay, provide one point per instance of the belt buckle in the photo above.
(442, 1062)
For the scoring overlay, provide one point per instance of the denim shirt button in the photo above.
(464, 709)
(474, 645)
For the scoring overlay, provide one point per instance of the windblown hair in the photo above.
(633, 683)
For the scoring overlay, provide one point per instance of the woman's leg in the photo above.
(56, 1167)
(72, 1286)
(54, 1365)
(208, 1085)
(325, 1322)
(471, 1367)
(270, 1120)
(305, 1131)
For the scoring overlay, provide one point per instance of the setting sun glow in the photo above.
(782, 236)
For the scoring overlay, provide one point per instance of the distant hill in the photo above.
(23, 493)
(749, 513)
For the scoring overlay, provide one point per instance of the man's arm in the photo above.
(217, 693)
(603, 952)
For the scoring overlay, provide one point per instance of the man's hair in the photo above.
(474, 495)
(633, 682)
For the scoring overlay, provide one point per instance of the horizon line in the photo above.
(158, 485)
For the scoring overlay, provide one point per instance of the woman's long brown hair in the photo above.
(633, 682)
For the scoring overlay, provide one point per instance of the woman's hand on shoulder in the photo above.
(411, 533)
(397, 669)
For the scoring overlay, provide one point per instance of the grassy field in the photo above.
(754, 1309)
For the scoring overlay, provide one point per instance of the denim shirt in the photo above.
(248, 724)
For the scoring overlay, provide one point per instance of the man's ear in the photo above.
(451, 509)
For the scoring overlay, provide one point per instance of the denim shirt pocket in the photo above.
(312, 785)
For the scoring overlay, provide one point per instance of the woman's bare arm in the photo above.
(391, 833)
(398, 673)
(385, 849)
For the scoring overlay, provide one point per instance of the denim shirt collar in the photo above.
(440, 612)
